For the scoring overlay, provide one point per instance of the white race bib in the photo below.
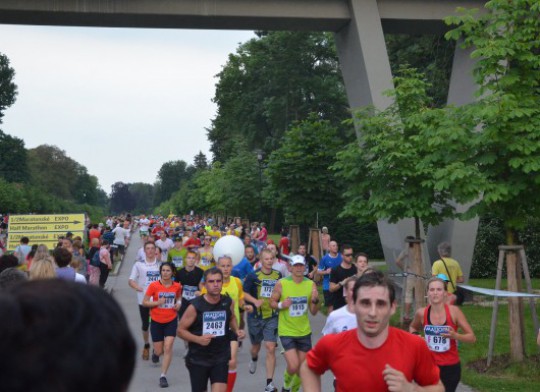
(189, 292)
(298, 307)
(170, 299)
(214, 323)
(267, 286)
(434, 340)
(178, 261)
(151, 276)
(204, 261)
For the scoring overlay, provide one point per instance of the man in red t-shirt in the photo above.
(284, 243)
(193, 242)
(385, 358)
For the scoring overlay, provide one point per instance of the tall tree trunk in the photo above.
(418, 268)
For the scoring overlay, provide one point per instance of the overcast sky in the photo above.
(119, 101)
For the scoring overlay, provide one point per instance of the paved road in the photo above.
(147, 374)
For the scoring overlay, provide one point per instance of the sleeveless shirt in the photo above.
(211, 319)
(444, 349)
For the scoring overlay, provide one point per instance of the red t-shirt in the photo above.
(156, 231)
(192, 242)
(93, 233)
(264, 234)
(164, 313)
(284, 242)
(403, 351)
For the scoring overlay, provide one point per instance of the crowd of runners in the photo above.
(214, 306)
(266, 298)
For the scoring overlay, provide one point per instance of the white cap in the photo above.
(298, 259)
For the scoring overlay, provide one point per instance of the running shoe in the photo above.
(163, 382)
(155, 358)
(252, 366)
(145, 353)
(270, 387)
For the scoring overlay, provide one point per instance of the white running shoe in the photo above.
(252, 366)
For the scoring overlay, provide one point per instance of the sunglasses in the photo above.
(347, 254)
(214, 281)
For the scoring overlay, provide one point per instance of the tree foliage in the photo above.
(506, 44)
(13, 161)
(406, 164)
(271, 82)
(200, 162)
(8, 89)
(143, 195)
(431, 55)
(298, 172)
(121, 198)
(61, 176)
(169, 178)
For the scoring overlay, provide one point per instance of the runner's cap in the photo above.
(443, 277)
(298, 259)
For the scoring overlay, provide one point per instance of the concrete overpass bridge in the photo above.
(358, 26)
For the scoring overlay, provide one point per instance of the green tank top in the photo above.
(294, 321)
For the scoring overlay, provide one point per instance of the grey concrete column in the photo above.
(366, 72)
(363, 57)
(461, 234)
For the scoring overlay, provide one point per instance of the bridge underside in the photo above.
(397, 16)
(358, 24)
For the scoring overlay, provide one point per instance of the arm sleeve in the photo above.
(240, 289)
(316, 358)
(150, 291)
(435, 269)
(328, 327)
(334, 278)
(322, 264)
(134, 273)
(248, 284)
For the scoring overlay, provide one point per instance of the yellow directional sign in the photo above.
(43, 229)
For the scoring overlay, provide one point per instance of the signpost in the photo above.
(43, 229)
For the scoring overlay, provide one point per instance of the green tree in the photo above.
(406, 159)
(60, 176)
(209, 185)
(12, 198)
(53, 171)
(8, 89)
(143, 195)
(121, 198)
(200, 162)
(13, 164)
(169, 178)
(506, 44)
(431, 55)
(242, 184)
(298, 172)
(271, 82)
